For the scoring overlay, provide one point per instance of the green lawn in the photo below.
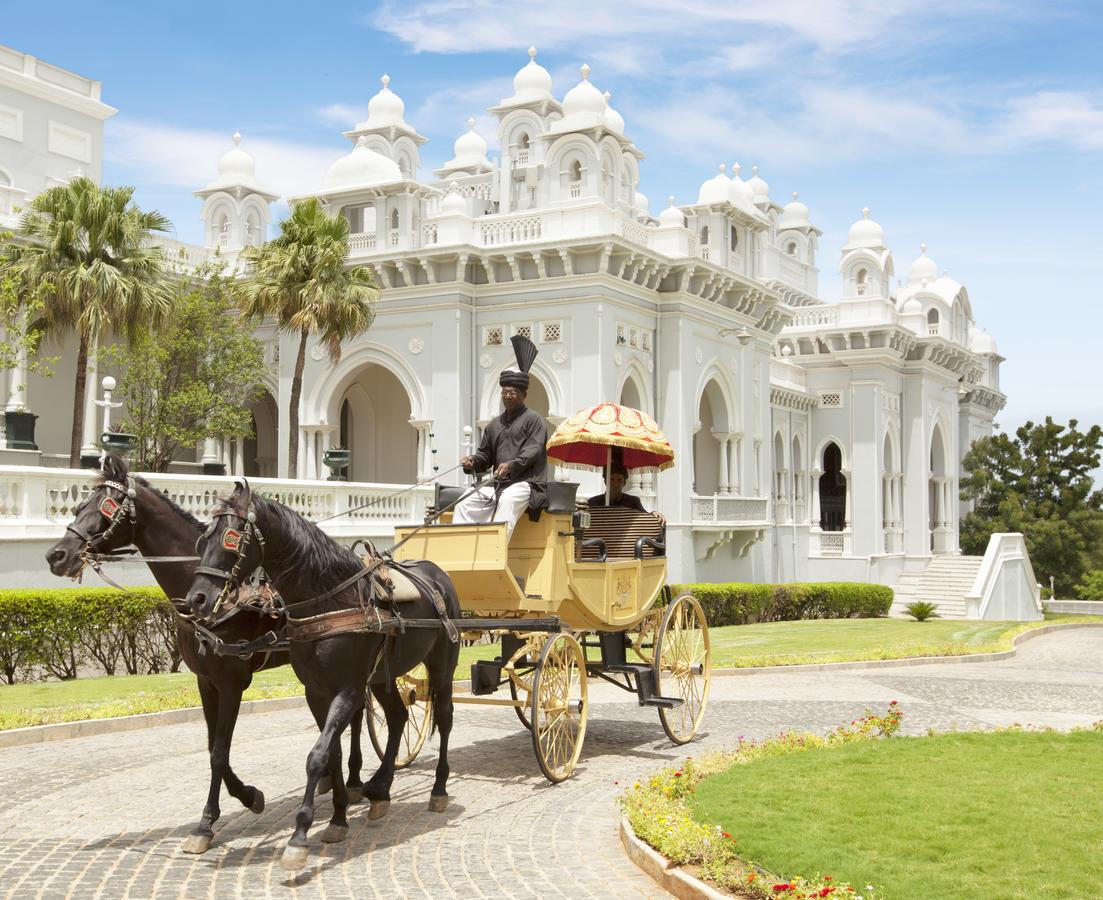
(1007, 815)
(770, 643)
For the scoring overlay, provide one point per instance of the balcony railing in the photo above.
(513, 230)
(363, 242)
(521, 158)
(813, 316)
(721, 509)
(575, 189)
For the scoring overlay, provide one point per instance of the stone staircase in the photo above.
(945, 582)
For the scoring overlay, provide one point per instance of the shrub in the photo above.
(1091, 586)
(56, 631)
(922, 610)
(743, 604)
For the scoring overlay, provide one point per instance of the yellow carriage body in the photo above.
(538, 574)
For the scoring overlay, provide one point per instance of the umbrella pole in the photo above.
(608, 471)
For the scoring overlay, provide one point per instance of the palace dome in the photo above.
(759, 187)
(980, 341)
(386, 107)
(923, 268)
(672, 215)
(716, 190)
(532, 82)
(363, 167)
(613, 119)
(453, 204)
(865, 233)
(470, 150)
(794, 215)
(236, 163)
(739, 192)
(584, 99)
(912, 307)
(641, 202)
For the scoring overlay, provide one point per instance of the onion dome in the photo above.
(865, 233)
(453, 204)
(716, 189)
(923, 269)
(672, 216)
(363, 167)
(386, 107)
(912, 307)
(613, 119)
(794, 215)
(641, 203)
(759, 187)
(980, 341)
(236, 164)
(584, 99)
(532, 82)
(739, 192)
(470, 150)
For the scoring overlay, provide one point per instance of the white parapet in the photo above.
(1005, 588)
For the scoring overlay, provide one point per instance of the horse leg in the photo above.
(203, 833)
(440, 683)
(333, 716)
(252, 798)
(356, 757)
(378, 787)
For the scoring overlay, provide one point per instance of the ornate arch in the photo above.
(489, 396)
(636, 373)
(325, 393)
(714, 372)
(817, 460)
(566, 146)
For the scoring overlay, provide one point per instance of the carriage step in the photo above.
(663, 702)
(626, 668)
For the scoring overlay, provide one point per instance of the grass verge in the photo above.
(735, 646)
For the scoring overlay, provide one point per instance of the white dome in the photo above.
(865, 233)
(672, 215)
(532, 82)
(794, 215)
(453, 204)
(362, 167)
(613, 119)
(386, 107)
(584, 98)
(912, 307)
(716, 189)
(236, 163)
(470, 149)
(924, 268)
(980, 341)
(759, 187)
(739, 192)
(641, 203)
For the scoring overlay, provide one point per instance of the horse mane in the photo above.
(115, 468)
(172, 504)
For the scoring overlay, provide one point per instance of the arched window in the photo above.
(832, 490)
(861, 281)
(932, 317)
(704, 235)
(576, 171)
(253, 235)
(791, 249)
(523, 141)
(734, 238)
(394, 218)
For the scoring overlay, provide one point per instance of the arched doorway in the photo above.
(832, 489)
(374, 425)
(261, 449)
(781, 486)
(711, 444)
(939, 506)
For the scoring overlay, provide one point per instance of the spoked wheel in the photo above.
(683, 667)
(557, 706)
(521, 710)
(413, 688)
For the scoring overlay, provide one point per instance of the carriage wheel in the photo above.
(683, 667)
(522, 710)
(413, 688)
(557, 707)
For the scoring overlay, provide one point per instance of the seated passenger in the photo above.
(618, 476)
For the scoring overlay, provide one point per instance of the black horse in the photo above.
(110, 520)
(315, 575)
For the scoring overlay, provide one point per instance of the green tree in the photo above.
(190, 377)
(19, 341)
(86, 251)
(300, 279)
(1038, 483)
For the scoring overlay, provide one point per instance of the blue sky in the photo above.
(973, 125)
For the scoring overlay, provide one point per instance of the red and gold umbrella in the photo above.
(589, 438)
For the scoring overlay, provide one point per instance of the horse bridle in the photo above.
(114, 511)
(238, 542)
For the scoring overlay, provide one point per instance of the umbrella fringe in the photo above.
(627, 443)
(586, 467)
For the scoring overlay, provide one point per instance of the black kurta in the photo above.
(631, 501)
(519, 438)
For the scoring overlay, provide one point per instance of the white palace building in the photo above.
(818, 439)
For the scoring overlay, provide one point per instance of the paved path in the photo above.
(104, 816)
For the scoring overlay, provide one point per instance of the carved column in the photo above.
(310, 435)
(724, 438)
(816, 473)
(239, 455)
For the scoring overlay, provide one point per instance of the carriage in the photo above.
(577, 593)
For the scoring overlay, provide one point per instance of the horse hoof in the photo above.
(325, 784)
(294, 858)
(438, 803)
(257, 806)
(197, 843)
(334, 834)
(355, 796)
(378, 810)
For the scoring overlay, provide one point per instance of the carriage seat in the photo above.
(617, 532)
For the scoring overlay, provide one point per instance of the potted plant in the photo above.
(118, 441)
(19, 428)
(336, 459)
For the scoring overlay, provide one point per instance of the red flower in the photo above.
(783, 887)
(751, 877)
(827, 878)
(725, 834)
(894, 703)
(677, 774)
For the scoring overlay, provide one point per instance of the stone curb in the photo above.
(659, 869)
(37, 734)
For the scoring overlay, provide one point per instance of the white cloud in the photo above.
(341, 115)
(156, 153)
(1072, 118)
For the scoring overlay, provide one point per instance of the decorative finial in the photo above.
(923, 249)
(608, 95)
(532, 53)
(386, 79)
(865, 212)
(794, 195)
(671, 199)
(471, 123)
(736, 169)
(585, 70)
(237, 138)
(754, 170)
(723, 168)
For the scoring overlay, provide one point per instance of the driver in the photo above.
(513, 447)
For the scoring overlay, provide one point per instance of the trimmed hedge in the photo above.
(58, 632)
(744, 604)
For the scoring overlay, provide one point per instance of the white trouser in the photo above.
(479, 507)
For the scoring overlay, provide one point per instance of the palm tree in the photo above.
(86, 252)
(300, 279)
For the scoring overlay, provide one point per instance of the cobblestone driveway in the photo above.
(104, 816)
